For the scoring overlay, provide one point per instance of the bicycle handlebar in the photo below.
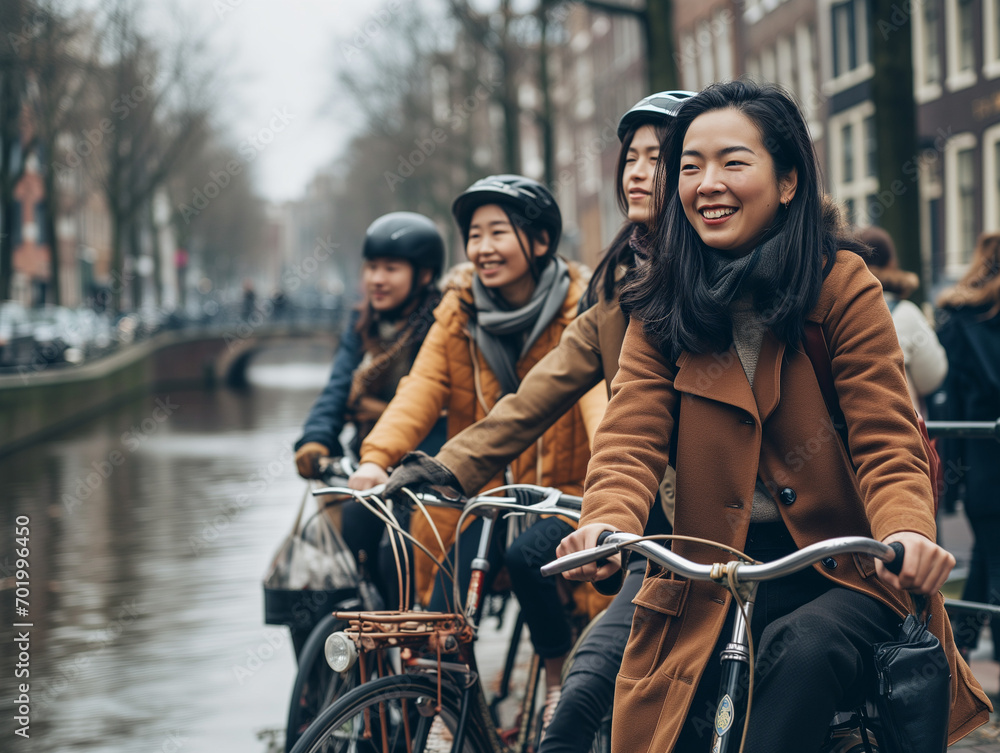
(682, 566)
(528, 499)
(965, 429)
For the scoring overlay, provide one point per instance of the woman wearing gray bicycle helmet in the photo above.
(500, 315)
(587, 354)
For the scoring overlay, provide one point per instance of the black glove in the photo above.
(417, 470)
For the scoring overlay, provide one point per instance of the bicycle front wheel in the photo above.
(316, 685)
(395, 715)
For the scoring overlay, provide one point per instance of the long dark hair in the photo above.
(620, 252)
(671, 295)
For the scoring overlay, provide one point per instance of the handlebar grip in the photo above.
(896, 566)
(577, 559)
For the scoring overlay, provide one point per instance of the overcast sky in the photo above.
(282, 57)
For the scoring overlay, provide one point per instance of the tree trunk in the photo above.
(51, 213)
(659, 28)
(10, 105)
(898, 207)
(545, 120)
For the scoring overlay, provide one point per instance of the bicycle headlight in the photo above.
(340, 652)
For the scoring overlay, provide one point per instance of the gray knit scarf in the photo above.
(729, 278)
(496, 328)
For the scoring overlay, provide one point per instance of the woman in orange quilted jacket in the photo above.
(498, 318)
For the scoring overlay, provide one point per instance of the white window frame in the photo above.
(784, 58)
(863, 185)
(706, 60)
(689, 59)
(991, 180)
(768, 65)
(960, 142)
(955, 79)
(930, 189)
(991, 28)
(810, 96)
(922, 91)
(724, 68)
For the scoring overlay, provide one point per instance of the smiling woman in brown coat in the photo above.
(713, 358)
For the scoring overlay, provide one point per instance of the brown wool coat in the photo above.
(450, 373)
(729, 433)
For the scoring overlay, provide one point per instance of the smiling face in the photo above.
(637, 177)
(494, 249)
(387, 282)
(727, 184)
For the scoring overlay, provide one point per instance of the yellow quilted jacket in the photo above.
(451, 374)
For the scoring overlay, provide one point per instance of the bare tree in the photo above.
(160, 115)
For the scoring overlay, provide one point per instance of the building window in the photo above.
(991, 179)
(960, 27)
(851, 180)
(991, 38)
(966, 203)
(706, 65)
(723, 46)
(960, 202)
(689, 63)
(768, 66)
(927, 52)
(931, 46)
(845, 49)
(851, 61)
(871, 147)
(847, 139)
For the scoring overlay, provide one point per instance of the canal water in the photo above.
(151, 528)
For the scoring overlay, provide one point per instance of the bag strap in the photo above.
(815, 347)
(302, 507)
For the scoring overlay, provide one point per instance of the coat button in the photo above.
(748, 421)
(787, 495)
(830, 563)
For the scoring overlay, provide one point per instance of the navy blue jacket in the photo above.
(973, 394)
(326, 419)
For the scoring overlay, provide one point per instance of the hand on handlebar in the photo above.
(925, 567)
(418, 469)
(306, 457)
(367, 476)
(586, 538)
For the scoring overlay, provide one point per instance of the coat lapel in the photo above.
(767, 377)
(716, 376)
(720, 377)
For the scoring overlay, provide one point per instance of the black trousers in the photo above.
(589, 689)
(367, 538)
(982, 585)
(814, 657)
(546, 617)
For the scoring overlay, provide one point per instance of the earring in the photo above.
(786, 203)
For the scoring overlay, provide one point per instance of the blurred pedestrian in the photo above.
(249, 301)
(970, 332)
(924, 359)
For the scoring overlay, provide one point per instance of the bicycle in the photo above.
(853, 733)
(316, 686)
(400, 712)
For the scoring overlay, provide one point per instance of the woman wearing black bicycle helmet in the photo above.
(500, 315)
(403, 256)
(586, 355)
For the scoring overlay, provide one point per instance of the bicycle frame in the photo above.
(731, 708)
(457, 631)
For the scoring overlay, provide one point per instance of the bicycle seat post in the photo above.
(480, 567)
